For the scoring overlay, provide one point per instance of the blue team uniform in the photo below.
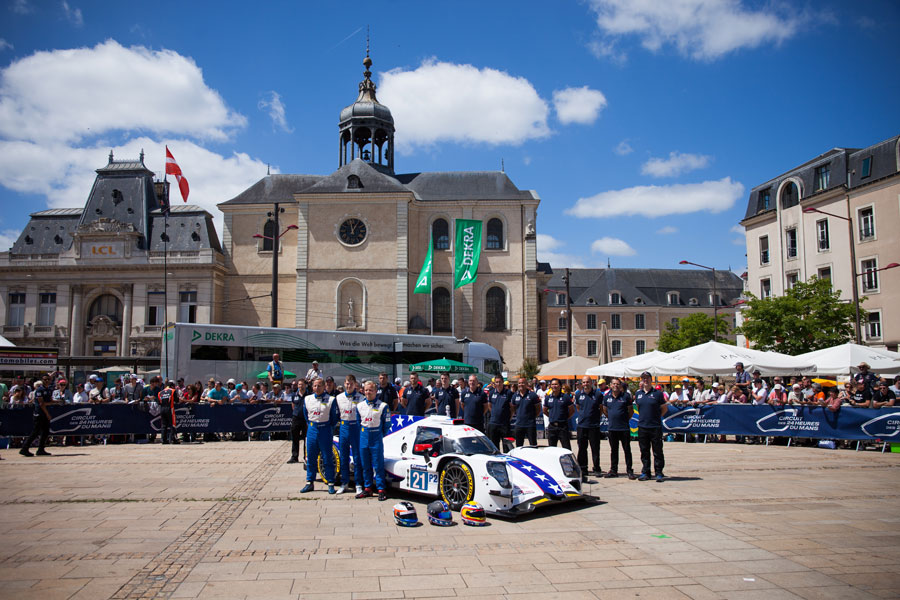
(321, 413)
(349, 436)
(374, 423)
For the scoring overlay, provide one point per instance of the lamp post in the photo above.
(568, 315)
(715, 296)
(853, 274)
(274, 215)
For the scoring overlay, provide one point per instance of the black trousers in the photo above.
(497, 432)
(166, 429)
(559, 432)
(615, 439)
(530, 432)
(298, 434)
(588, 436)
(41, 428)
(650, 438)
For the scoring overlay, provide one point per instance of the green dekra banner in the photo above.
(423, 283)
(467, 252)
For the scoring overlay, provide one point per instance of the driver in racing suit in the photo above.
(349, 434)
(321, 412)
(374, 423)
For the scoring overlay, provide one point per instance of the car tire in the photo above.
(337, 464)
(457, 484)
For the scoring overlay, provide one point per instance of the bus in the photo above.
(202, 352)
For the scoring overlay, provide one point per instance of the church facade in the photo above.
(362, 235)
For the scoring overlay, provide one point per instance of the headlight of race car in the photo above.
(569, 466)
(498, 471)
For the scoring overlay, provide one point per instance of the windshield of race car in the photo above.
(473, 445)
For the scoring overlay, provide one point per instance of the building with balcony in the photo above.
(802, 223)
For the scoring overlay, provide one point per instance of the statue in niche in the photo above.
(350, 320)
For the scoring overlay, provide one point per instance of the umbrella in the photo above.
(826, 382)
(845, 359)
(442, 365)
(287, 375)
(571, 367)
(634, 365)
(714, 358)
(605, 350)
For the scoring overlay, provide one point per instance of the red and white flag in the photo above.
(172, 168)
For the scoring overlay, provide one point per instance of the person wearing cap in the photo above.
(275, 370)
(167, 398)
(652, 407)
(865, 377)
(883, 396)
(133, 389)
(795, 396)
(313, 373)
(80, 396)
(330, 387)
(589, 404)
(43, 398)
(62, 394)
(298, 422)
(742, 378)
(778, 398)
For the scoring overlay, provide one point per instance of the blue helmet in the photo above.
(405, 514)
(439, 513)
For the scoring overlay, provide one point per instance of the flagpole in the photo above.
(165, 272)
(431, 293)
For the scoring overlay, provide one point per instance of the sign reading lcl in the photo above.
(103, 250)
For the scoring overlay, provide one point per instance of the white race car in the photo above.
(442, 457)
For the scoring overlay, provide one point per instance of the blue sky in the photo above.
(642, 125)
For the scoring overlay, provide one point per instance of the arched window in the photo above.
(790, 195)
(268, 236)
(494, 234)
(108, 305)
(440, 304)
(495, 310)
(440, 233)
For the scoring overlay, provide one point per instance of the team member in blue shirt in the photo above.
(651, 405)
(589, 403)
(415, 399)
(474, 404)
(446, 397)
(618, 406)
(559, 408)
(386, 392)
(500, 399)
(528, 410)
(298, 423)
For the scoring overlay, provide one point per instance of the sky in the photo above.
(642, 125)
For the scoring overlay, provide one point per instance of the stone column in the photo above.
(126, 320)
(300, 293)
(76, 335)
(402, 242)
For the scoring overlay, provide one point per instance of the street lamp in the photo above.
(275, 239)
(715, 296)
(853, 272)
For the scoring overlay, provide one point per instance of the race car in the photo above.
(442, 457)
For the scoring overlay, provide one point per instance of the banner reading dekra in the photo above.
(468, 251)
(423, 283)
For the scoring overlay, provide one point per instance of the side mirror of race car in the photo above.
(422, 449)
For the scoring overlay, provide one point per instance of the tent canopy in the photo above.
(629, 367)
(571, 367)
(845, 359)
(714, 358)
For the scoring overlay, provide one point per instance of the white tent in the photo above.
(5, 342)
(629, 367)
(845, 359)
(571, 367)
(714, 358)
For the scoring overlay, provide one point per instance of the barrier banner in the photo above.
(788, 421)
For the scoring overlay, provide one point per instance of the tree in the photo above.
(529, 369)
(810, 316)
(696, 328)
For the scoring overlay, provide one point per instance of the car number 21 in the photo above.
(419, 479)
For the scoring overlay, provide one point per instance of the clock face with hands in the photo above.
(352, 232)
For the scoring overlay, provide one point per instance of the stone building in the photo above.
(801, 224)
(362, 236)
(92, 281)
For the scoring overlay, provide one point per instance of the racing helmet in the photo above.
(439, 514)
(405, 514)
(472, 513)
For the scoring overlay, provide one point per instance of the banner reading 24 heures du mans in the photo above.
(467, 253)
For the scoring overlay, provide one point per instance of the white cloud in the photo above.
(578, 105)
(8, 237)
(547, 251)
(71, 95)
(741, 240)
(612, 247)
(73, 14)
(441, 101)
(4, 45)
(22, 7)
(661, 200)
(667, 230)
(623, 148)
(65, 174)
(675, 165)
(276, 109)
(700, 29)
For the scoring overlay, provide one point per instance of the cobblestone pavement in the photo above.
(225, 520)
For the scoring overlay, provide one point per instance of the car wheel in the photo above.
(457, 484)
(337, 464)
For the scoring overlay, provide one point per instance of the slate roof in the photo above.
(48, 232)
(190, 228)
(646, 287)
(884, 164)
(442, 185)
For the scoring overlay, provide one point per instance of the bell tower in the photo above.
(367, 128)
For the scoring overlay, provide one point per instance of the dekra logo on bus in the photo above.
(212, 336)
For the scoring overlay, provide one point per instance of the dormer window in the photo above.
(354, 183)
(58, 239)
(673, 298)
(715, 300)
(117, 196)
(638, 300)
(693, 302)
(591, 301)
(615, 298)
